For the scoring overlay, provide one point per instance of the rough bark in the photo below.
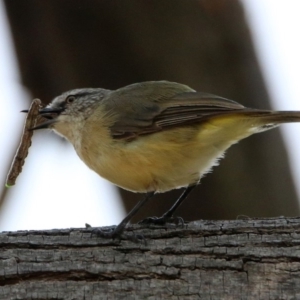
(241, 259)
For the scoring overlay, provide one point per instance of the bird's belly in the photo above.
(164, 160)
(160, 174)
(158, 162)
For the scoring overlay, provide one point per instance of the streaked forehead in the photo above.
(81, 92)
(76, 92)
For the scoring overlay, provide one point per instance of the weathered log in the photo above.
(241, 259)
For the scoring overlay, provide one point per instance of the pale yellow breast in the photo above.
(161, 161)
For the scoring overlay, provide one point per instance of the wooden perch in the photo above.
(241, 259)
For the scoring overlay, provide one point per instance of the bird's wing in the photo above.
(157, 108)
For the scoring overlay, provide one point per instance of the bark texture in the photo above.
(241, 259)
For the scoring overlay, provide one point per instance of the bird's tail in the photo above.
(242, 123)
(277, 117)
(264, 120)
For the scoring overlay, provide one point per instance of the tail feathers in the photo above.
(273, 117)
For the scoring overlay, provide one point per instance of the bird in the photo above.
(154, 136)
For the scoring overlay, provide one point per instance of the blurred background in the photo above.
(247, 51)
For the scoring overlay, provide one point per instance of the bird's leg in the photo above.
(167, 217)
(118, 230)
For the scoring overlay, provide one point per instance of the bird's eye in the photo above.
(70, 99)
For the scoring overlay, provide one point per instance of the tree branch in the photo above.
(241, 259)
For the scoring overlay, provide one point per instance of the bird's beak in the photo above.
(48, 113)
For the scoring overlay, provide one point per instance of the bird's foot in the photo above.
(115, 234)
(163, 220)
(107, 233)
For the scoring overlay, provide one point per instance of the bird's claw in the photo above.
(108, 233)
(162, 221)
(115, 235)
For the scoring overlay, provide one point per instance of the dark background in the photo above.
(205, 44)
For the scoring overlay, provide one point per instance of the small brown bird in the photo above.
(155, 136)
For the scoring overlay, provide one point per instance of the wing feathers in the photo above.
(142, 111)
